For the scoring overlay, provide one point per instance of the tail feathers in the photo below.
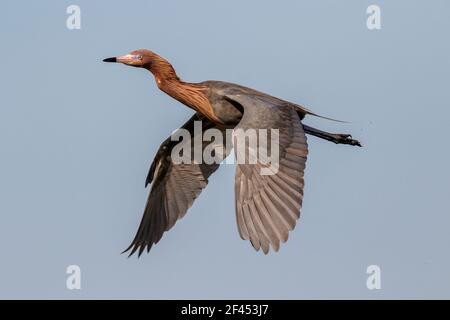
(307, 111)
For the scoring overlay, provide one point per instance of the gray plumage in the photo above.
(267, 206)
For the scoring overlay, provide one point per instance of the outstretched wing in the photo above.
(268, 206)
(174, 188)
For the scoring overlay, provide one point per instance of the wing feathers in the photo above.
(174, 189)
(268, 206)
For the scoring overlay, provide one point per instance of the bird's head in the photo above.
(149, 60)
(139, 58)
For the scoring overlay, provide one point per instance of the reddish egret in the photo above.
(267, 206)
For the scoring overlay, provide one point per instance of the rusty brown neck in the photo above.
(190, 94)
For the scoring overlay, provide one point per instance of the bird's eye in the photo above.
(139, 57)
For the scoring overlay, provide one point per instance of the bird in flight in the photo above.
(267, 206)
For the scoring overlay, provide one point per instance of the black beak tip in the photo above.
(113, 59)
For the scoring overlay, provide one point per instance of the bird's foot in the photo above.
(346, 139)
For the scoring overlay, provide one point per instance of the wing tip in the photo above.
(135, 247)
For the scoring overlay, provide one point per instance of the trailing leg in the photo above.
(333, 137)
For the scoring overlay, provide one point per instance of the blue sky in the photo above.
(78, 136)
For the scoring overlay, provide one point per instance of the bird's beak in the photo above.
(113, 59)
(128, 58)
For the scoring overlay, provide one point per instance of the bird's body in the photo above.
(267, 206)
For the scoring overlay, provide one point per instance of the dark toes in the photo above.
(355, 143)
(347, 139)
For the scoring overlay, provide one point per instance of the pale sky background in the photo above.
(77, 137)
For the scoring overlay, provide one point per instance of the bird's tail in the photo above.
(307, 111)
